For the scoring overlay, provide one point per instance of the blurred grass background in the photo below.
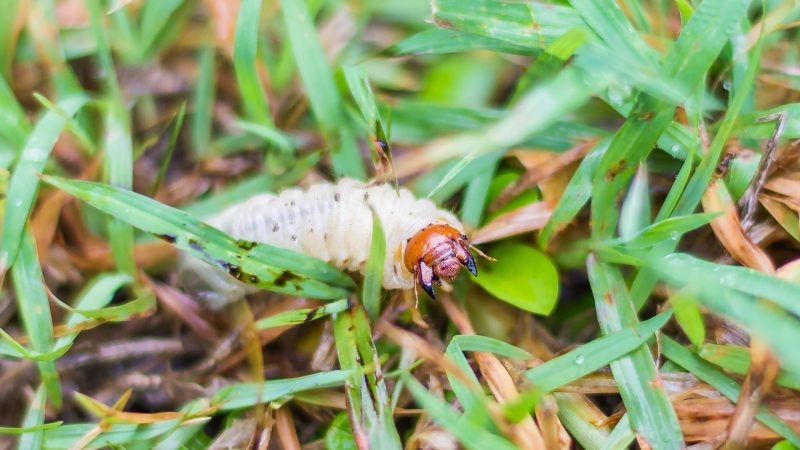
(632, 165)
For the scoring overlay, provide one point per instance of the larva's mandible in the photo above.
(333, 222)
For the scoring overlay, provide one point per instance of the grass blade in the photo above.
(24, 184)
(326, 102)
(34, 418)
(34, 310)
(262, 265)
(649, 407)
(373, 277)
(245, 63)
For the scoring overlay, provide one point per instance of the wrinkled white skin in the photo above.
(332, 222)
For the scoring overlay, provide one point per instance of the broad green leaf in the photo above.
(521, 276)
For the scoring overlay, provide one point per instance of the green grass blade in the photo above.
(533, 25)
(156, 17)
(594, 355)
(34, 310)
(373, 277)
(635, 211)
(736, 359)
(245, 395)
(779, 329)
(369, 401)
(580, 362)
(97, 294)
(581, 425)
(201, 118)
(245, 63)
(649, 407)
(262, 265)
(173, 140)
(621, 437)
(577, 193)
(300, 316)
(470, 436)
(442, 41)
(608, 21)
(726, 386)
(14, 125)
(34, 418)
(24, 184)
(117, 141)
(326, 102)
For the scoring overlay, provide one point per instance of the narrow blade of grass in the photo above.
(34, 418)
(34, 310)
(245, 63)
(326, 102)
(736, 359)
(373, 277)
(580, 362)
(469, 435)
(117, 141)
(576, 194)
(261, 265)
(300, 316)
(369, 402)
(24, 184)
(441, 41)
(245, 395)
(201, 118)
(649, 407)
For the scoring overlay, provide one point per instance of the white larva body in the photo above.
(331, 222)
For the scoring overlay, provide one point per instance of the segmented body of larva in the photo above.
(333, 222)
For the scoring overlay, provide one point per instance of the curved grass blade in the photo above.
(577, 193)
(34, 310)
(582, 361)
(261, 265)
(441, 41)
(24, 184)
(470, 436)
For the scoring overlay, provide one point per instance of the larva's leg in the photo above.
(425, 278)
(465, 257)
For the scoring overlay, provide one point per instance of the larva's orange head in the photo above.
(436, 252)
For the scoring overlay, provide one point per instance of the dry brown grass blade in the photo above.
(750, 199)
(526, 433)
(287, 434)
(241, 434)
(729, 231)
(525, 219)
(539, 169)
